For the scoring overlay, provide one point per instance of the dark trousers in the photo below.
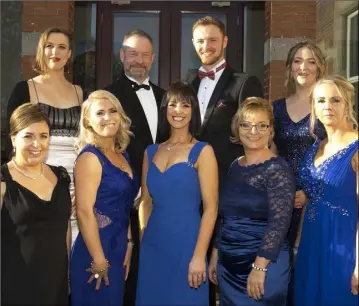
(131, 284)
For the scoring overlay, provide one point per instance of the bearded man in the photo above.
(141, 100)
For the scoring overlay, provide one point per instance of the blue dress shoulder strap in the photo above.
(195, 152)
(151, 151)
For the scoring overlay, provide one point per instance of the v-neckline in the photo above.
(316, 167)
(33, 193)
(290, 118)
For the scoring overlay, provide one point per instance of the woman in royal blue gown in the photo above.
(177, 175)
(105, 187)
(250, 262)
(327, 260)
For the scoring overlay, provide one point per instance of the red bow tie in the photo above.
(211, 74)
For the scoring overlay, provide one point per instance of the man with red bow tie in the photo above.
(220, 89)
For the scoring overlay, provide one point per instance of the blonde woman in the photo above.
(327, 260)
(105, 191)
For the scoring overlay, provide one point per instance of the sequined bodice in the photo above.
(63, 121)
(293, 138)
(332, 184)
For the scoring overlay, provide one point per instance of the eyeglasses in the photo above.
(261, 127)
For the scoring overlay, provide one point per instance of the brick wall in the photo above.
(287, 22)
(37, 16)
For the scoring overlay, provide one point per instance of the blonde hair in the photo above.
(319, 60)
(88, 136)
(40, 65)
(347, 92)
(251, 105)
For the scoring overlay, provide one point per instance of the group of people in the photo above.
(176, 192)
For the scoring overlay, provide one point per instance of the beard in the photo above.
(213, 59)
(137, 71)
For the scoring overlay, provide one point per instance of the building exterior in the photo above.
(260, 35)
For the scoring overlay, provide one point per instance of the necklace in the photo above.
(171, 146)
(25, 174)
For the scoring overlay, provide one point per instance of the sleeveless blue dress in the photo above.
(171, 234)
(255, 210)
(327, 251)
(114, 200)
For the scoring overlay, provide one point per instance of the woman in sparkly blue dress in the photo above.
(327, 260)
(305, 65)
(255, 209)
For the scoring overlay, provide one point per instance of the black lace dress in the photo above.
(255, 211)
(34, 260)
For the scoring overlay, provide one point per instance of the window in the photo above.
(352, 52)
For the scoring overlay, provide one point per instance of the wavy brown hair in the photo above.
(319, 60)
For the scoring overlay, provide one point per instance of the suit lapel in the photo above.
(222, 82)
(157, 95)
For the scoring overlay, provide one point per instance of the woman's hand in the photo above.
(212, 267)
(99, 272)
(196, 272)
(300, 199)
(127, 260)
(354, 282)
(255, 284)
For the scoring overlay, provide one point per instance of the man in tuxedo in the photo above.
(220, 90)
(141, 100)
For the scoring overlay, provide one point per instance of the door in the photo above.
(169, 23)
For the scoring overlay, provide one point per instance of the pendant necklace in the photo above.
(27, 175)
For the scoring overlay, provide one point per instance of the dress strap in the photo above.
(195, 152)
(94, 150)
(78, 99)
(37, 97)
(151, 151)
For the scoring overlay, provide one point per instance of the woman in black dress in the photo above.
(35, 212)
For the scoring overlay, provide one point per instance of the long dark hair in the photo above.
(183, 92)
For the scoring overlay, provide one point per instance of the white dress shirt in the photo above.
(206, 88)
(149, 106)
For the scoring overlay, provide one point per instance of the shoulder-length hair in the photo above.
(40, 65)
(319, 60)
(181, 92)
(347, 92)
(88, 136)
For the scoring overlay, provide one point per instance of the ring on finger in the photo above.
(97, 275)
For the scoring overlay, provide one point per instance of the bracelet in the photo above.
(129, 240)
(258, 268)
(101, 270)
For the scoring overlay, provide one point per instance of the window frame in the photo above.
(352, 79)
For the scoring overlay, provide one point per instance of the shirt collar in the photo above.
(145, 82)
(215, 67)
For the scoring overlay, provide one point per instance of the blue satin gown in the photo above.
(171, 234)
(327, 251)
(256, 206)
(114, 200)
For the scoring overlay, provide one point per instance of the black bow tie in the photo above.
(136, 86)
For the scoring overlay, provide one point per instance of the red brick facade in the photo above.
(37, 16)
(286, 19)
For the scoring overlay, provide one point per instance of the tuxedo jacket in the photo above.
(232, 88)
(142, 137)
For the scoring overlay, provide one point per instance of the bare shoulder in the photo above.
(79, 93)
(355, 161)
(88, 162)
(207, 154)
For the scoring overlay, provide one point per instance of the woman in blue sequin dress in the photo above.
(106, 187)
(305, 65)
(327, 260)
(255, 211)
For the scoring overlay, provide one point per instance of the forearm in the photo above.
(205, 233)
(300, 228)
(90, 233)
(144, 212)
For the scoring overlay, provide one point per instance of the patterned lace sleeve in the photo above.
(281, 193)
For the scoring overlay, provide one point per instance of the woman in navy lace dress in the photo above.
(255, 210)
(327, 262)
(106, 187)
(305, 65)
